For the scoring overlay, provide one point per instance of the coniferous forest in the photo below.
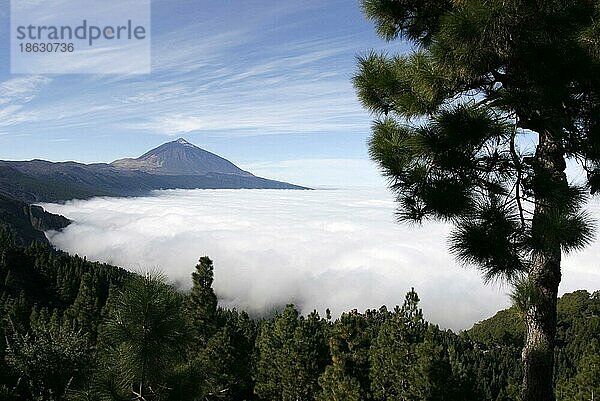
(77, 330)
(477, 113)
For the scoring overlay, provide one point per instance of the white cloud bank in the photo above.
(339, 249)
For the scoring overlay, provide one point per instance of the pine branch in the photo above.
(517, 162)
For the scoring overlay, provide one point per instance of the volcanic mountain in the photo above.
(173, 165)
(180, 158)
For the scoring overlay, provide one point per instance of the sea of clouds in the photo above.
(337, 249)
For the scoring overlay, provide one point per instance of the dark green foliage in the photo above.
(211, 373)
(505, 328)
(85, 310)
(220, 367)
(349, 343)
(49, 360)
(413, 20)
(48, 352)
(436, 169)
(433, 379)
(452, 117)
(586, 383)
(84, 331)
(336, 385)
(202, 301)
(501, 338)
(394, 354)
(143, 338)
(489, 237)
(484, 74)
(241, 331)
(27, 222)
(291, 354)
(411, 360)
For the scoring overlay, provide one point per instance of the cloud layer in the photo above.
(329, 248)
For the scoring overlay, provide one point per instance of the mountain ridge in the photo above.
(173, 165)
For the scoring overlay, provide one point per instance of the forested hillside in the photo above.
(27, 222)
(76, 330)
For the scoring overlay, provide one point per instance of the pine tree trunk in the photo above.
(544, 276)
(540, 320)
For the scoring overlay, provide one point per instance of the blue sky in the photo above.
(263, 83)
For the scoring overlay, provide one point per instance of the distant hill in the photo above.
(500, 339)
(507, 328)
(173, 165)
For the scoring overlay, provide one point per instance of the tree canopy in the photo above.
(52, 351)
(475, 126)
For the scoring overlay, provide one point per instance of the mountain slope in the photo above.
(28, 222)
(506, 327)
(174, 165)
(180, 158)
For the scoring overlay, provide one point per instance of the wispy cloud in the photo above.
(15, 96)
(223, 80)
(275, 96)
(224, 73)
(14, 114)
(171, 125)
(104, 57)
(21, 89)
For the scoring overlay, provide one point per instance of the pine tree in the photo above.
(49, 360)
(394, 354)
(273, 338)
(292, 354)
(202, 301)
(210, 373)
(432, 373)
(585, 386)
(483, 79)
(242, 330)
(349, 344)
(143, 339)
(307, 355)
(84, 310)
(337, 385)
